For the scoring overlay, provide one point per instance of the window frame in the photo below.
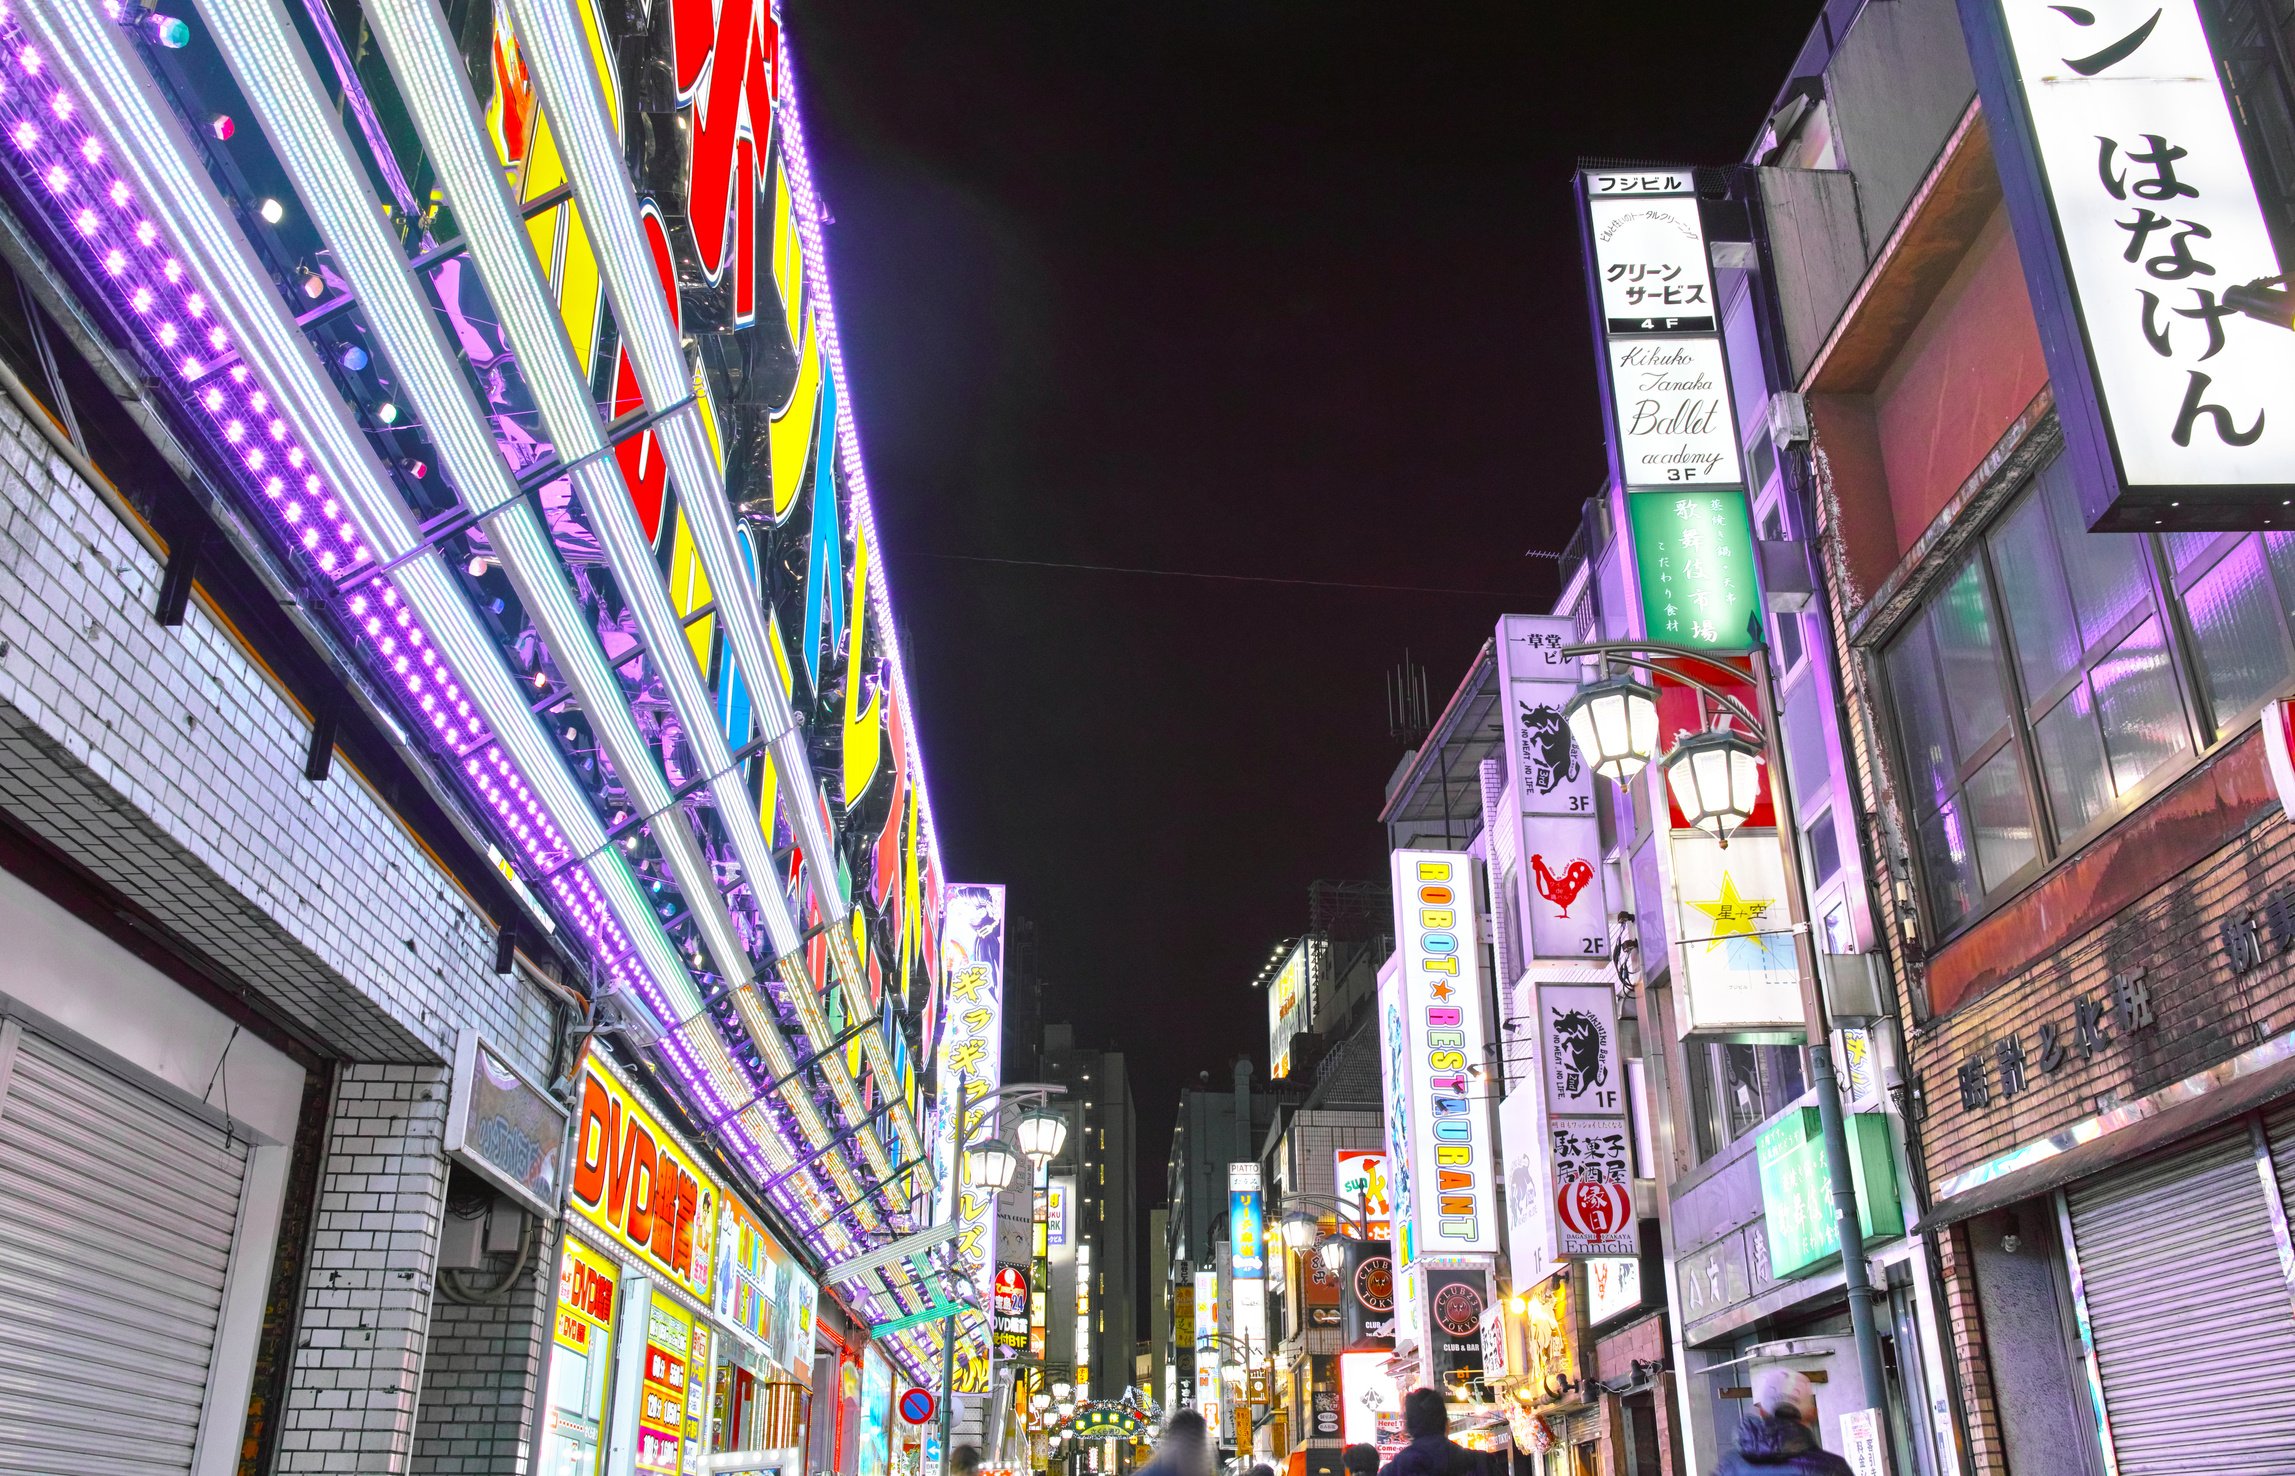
(2165, 589)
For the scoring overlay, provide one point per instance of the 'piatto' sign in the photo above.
(638, 1184)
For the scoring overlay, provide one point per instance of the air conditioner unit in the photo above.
(1788, 420)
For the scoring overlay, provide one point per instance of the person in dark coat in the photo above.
(1184, 1450)
(1780, 1435)
(1360, 1460)
(1431, 1452)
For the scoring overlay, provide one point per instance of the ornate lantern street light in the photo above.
(1715, 779)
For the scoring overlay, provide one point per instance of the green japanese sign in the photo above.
(1694, 551)
(1797, 1188)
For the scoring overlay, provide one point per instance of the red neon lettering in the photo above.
(642, 467)
(594, 1143)
(731, 82)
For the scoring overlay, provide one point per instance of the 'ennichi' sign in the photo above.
(2134, 212)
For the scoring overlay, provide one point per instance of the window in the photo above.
(1736, 1088)
(2058, 676)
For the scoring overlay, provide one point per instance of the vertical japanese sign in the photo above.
(1693, 553)
(2134, 210)
(1558, 876)
(1395, 1101)
(1207, 1349)
(1674, 440)
(1583, 1078)
(1246, 1223)
(1440, 993)
(971, 1058)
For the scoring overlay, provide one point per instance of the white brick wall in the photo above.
(365, 1320)
(165, 761)
(481, 1372)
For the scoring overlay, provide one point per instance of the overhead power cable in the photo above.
(1491, 594)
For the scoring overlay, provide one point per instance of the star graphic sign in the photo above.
(1733, 915)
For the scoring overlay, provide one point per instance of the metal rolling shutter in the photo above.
(2194, 1331)
(117, 1210)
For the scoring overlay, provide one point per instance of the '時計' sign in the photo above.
(2135, 213)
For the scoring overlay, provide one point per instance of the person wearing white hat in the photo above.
(1780, 1434)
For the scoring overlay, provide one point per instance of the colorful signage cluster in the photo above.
(2134, 210)
(1435, 1032)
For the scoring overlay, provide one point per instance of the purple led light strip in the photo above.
(60, 165)
(806, 209)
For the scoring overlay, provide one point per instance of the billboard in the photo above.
(1370, 1405)
(2134, 206)
(970, 1061)
(1367, 1295)
(1443, 1021)
(1457, 1294)
(1246, 1223)
(638, 1183)
(1361, 1175)
(1290, 1007)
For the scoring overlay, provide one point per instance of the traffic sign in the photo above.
(917, 1405)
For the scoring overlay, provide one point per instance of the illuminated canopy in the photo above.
(541, 401)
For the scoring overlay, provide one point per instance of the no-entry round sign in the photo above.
(917, 1405)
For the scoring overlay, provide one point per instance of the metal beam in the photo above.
(917, 1319)
(899, 1250)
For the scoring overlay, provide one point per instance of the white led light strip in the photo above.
(557, 54)
(92, 54)
(427, 67)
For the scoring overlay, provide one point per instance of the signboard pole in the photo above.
(1857, 1280)
(948, 1326)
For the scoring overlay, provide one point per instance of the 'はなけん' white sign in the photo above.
(2133, 171)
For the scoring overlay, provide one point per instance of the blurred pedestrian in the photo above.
(1361, 1460)
(1431, 1452)
(1184, 1449)
(1780, 1435)
(964, 1460)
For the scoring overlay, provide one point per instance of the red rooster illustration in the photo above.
(1564, 889)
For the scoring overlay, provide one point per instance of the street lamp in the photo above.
(1042, 1133)
(1333, 1254)
(1301, 1230)
(1615, 723)
(1715, 778)
(991, 1165)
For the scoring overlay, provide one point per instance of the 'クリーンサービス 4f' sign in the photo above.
(2135, 214)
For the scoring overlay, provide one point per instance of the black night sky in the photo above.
(1287, 290)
